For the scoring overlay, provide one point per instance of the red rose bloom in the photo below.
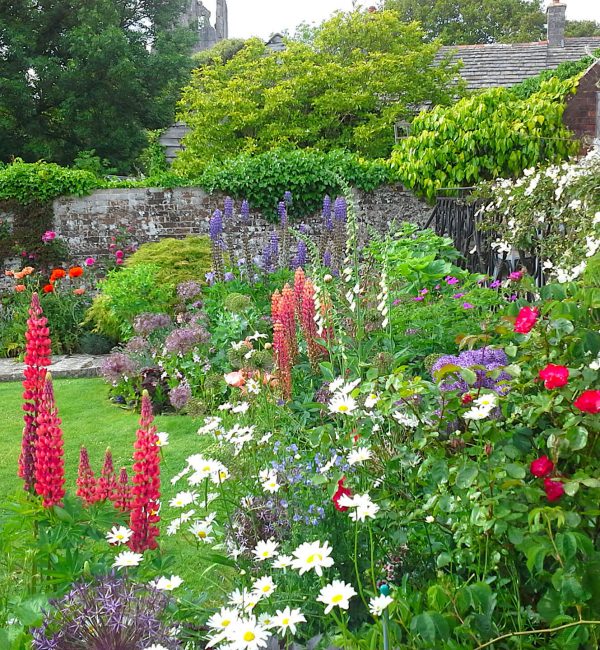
(588, 401)
(48, 288)
(554, 376)
(541, 466)
(526, 319)
(554, 489)
(467, 398)
(339, 493)
(75, 271)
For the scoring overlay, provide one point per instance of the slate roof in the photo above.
(488, 66)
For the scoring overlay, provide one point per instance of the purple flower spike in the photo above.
(301, 255)
(228, 207)
(340, 210)
(327, 259)
(287, 197)
(282, 211)
(216, 227)
(245, 212)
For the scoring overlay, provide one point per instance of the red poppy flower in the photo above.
(526, 320)
(588, 401)
(467, 398)
(554, 489)
(339, 493)
(75, 271)
(20, 287)
(554, 376)
(541, 466)
(48, 288)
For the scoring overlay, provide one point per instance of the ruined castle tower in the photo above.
(197, 16)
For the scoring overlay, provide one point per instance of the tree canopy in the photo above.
(461, 22)
(346, 89)
(78, 75)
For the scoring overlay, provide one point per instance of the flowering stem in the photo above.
(372, 549)
(356, 570)
(543, 631)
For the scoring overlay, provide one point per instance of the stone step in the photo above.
(68, 366)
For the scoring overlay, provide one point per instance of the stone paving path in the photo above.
(73, 367)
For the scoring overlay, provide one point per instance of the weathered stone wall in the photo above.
(87, 223)
(582, 114)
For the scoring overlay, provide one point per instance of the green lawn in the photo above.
(90, 419)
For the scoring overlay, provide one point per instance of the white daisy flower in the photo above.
(477, 413)
(242, 407)
(167, 584)
(176, 524)
(341, 403)
(487, 400)
(203, 530)
(378, 604)
(222, 619)
(287, 619)
(282, 562)
(183, 499)
(359, 455)
(336, 594)
(361, 505)
(371, 400)
(264, 586)
(163, 439)
(247, 634)
(335, 385)
(226, 406)
(265, 550)
(312, 555)
(119, 535)
(271, 485)
(127, 559)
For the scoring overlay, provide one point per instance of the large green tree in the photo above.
(458, 22)
(346, 89)
(88, 74)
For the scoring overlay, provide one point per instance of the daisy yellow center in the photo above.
(343, 407)
(119, 535)
(337, 598)
(201, 534)
(249, 636)
(265, 554)
(266, 589)
(225, 622)
(314, 558)
(285, 621)
(206, 468)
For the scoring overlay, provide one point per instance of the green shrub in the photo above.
(176, 260)
(125, 293)
(485, 136)
(308, 175)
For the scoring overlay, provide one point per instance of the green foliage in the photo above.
(564, 71)
(219, 53)
(485, 136)
(345, 90)
(153, 160)
(89, 161)
(42, 181)
(175, 260)
(125, 293)
(263, 178)
(96, 75)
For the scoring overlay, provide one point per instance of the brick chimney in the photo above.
(555, 13)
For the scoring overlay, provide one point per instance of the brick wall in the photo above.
(581, 113)
(88, 222)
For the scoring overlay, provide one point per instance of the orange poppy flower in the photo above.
(79, 292)
(48, 288)
(19, 275)
(20, 287)
(75, 271)
(28, 270)
(57, 274)
(8, 273)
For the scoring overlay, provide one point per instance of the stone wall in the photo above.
(87, 223)
(582, 114)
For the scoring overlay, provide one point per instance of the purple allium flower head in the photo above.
(185, 339)
(301, 255)
(229, 277)
(210, 277)
(340, 210)
(282, 212)
(287, 197)
(110, 612)
(228, 207)
(180, 395)
(245, 212)
(188, 290)
(146, 323)
(216, 227)
(327, 259)
(482, 362)
(136, 344)
(118, 365)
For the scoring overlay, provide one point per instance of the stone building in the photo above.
(197, 16)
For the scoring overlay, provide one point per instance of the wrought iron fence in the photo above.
(459, 217)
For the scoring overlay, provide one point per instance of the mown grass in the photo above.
(90, 419)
